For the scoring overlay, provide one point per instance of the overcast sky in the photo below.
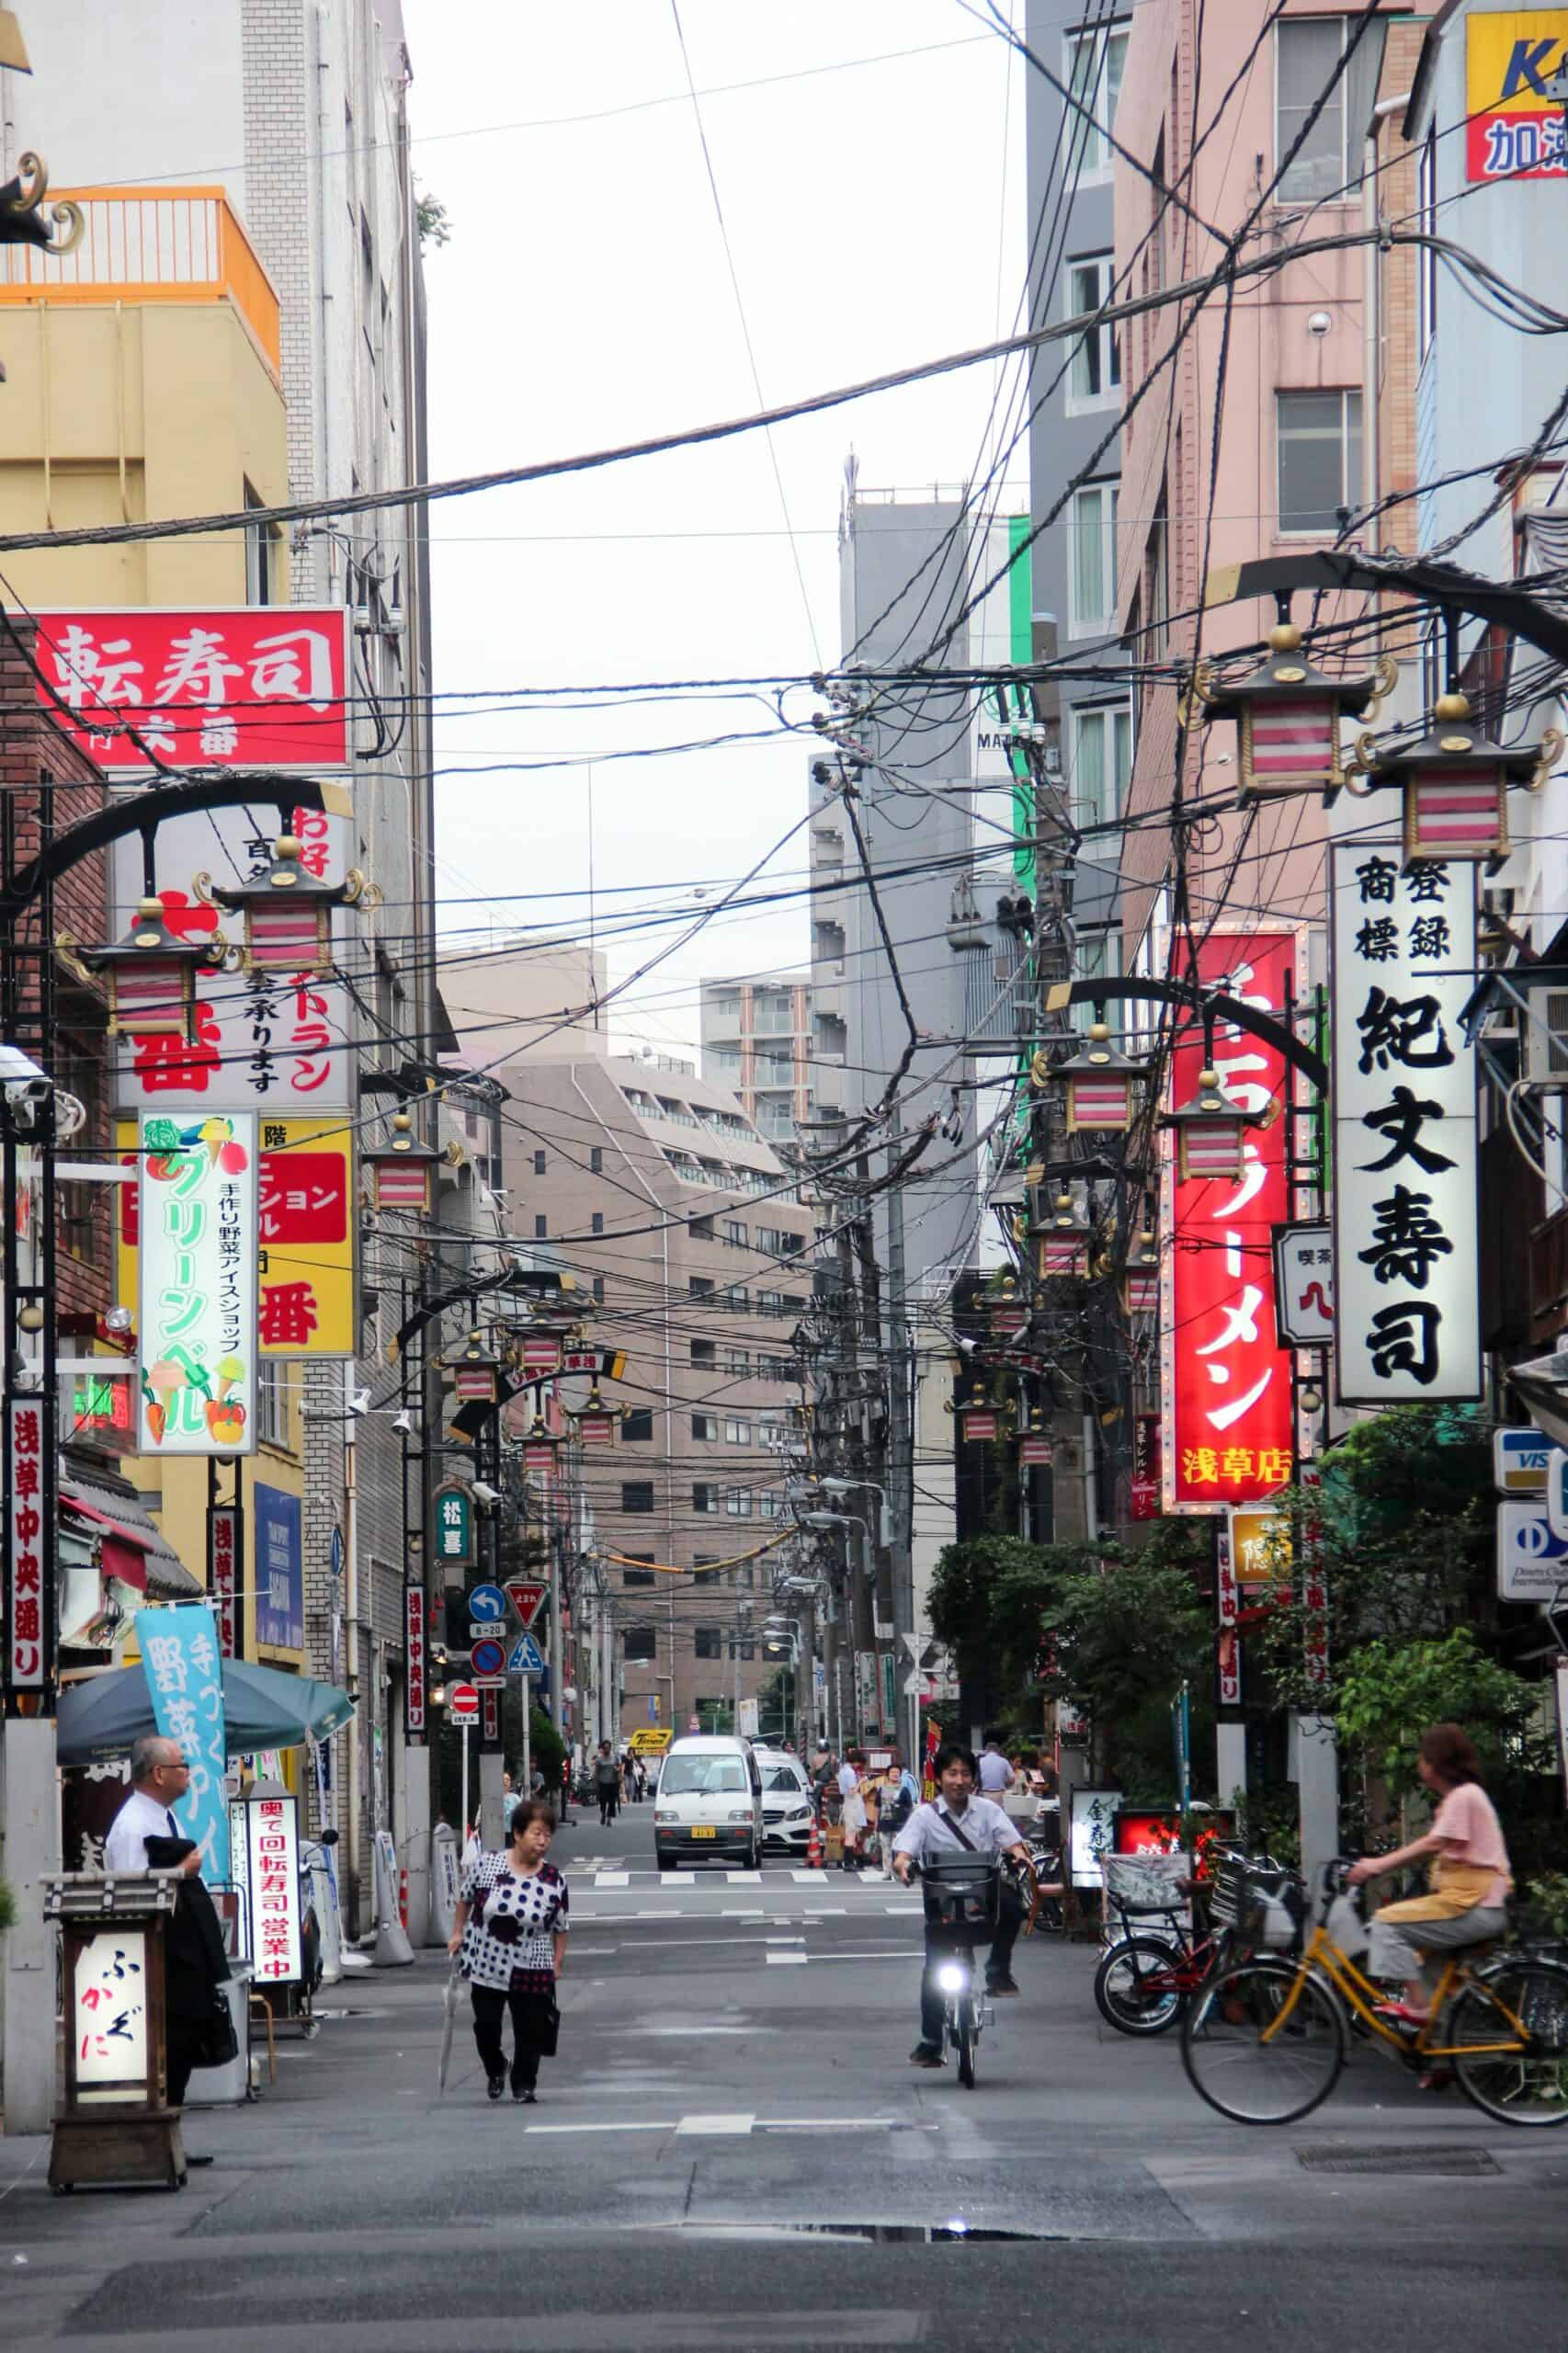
(875, 215)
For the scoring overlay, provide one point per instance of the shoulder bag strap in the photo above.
(943, 1815)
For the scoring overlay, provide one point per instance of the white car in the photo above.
(786, 1799)
(708, 1806)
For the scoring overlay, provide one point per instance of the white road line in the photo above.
(612, 1879)
(677, 1879)
(733, 2126)
(671, 1915)
(807, 1879)
(667, 2126)
(774, 1954)
(743, 1879)
(742, 1916)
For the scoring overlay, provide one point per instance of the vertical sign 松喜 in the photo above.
(1404, 1128)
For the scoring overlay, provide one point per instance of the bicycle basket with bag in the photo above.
(962, 1893)
(1273, 1909)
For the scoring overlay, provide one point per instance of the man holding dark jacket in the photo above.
(145, 1836)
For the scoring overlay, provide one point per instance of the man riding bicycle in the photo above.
(958, 1823)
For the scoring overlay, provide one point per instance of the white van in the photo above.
(708, 1806)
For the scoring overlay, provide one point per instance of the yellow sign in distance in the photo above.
(650, 1740)
(1260, 1547)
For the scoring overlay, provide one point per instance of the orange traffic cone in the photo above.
(814, 1848)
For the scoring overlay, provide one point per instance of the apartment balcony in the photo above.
(151, 245)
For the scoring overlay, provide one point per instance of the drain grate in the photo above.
(1442, 2157)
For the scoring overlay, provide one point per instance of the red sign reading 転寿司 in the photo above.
(236, 686)
(1226, 1381)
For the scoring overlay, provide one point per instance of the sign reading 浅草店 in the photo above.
(1404, 1127)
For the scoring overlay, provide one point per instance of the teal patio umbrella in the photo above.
(262, 1709)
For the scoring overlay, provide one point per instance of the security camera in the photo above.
(486, 1497)
(1318, 323)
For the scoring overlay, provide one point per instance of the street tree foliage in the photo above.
(1390, 1694)
(1401, 1525)
(1118, 1631)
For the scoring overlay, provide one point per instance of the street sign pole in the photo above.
(463, 1841)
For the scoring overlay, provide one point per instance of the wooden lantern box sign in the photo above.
(116, 2125)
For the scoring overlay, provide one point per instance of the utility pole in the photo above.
(901, 1440)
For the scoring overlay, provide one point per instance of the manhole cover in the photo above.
(1451, 2158)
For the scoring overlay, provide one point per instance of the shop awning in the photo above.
(133, 1549)
(101, 1716)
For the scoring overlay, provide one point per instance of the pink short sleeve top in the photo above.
(1468, 1825)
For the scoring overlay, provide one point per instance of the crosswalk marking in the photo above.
(612, 1879)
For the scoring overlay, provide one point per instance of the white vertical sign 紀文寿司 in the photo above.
(1404, 1127)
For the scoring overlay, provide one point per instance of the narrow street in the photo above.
(733, 2080)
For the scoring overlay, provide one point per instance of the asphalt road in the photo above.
(732, 2150)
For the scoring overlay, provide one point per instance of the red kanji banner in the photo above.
(1225, 1382)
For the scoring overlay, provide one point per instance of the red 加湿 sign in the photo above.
(1226, 1381)
(241, 687)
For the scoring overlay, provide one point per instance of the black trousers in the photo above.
(182, 2043)
(941, 1943)
(530, 2011)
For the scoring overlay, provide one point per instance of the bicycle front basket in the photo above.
(964, 1892)
(1144, 1884)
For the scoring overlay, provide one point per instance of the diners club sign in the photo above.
(246, 686)
(1226, 1381)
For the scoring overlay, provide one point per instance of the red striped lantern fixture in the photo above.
(541, 1352)
(1288, 715)
(1456, 783)
(979, 1420)
(1035, 1449)
(596, 1422)
(151, 974)
(1008, 1314)
(1101, 1084)
(402, 1170)
(474, 1373)
(1063, 1245)
(287, 913)
(1211, 1132)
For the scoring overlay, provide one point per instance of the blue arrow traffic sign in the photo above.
(488, 1601)
(526, 1657)
(486, 1657)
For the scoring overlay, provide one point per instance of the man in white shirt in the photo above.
(995, 1773)
(959, 1823)
(159, 1777)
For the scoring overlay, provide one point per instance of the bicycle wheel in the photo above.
(968, 2039)
(1133, 1988)
(1516, 2087)
(1262, 2043)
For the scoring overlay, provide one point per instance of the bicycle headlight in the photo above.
(951, 1977)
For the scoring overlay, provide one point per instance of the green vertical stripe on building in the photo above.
(1020, 648)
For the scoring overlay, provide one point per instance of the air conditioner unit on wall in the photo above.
(1544, 1037)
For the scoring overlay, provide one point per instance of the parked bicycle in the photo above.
(1264, 2042)
(1148, 1975)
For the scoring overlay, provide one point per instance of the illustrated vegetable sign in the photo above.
(198, 1223)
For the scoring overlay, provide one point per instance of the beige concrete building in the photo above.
(683, 1225)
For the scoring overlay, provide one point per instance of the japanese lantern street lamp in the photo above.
(1288, 716)
(1456, 780)
(1140, 1278)
(1099, 1083)
(540, 1446)
(596, 1422)
(1035, 1450)
(1062, 1242)
(403, 1169)
(474, 1371)
(979, 1419)
(150, 974)
(287, 913)
(1210, 1126)
(1008, 1314)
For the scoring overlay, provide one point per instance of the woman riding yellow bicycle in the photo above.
(1468, 1877)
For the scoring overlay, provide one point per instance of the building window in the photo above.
(704, 1496)
(261, 556)
(595, 1160)
(701, 1287)
(541, 1227)
(1095, 60)
(638, 1424)
(700, 1229)
(640, 1576)
(704, 1352)
(271, 1403)
(539, 1164)
(773, 1014)
(1102, 763)
(1307, 51)
(708, 1642)
(598, 1290)
(737, 1299)
(734, 1233)
(1094, 379)
(737, 1433)
(641, 1642)
(637, 1496)
(703, 1571)
(1319, 437)
(737, 1502)
(705, 1426)
(1092, 568)
(737, 1360)
(1425, 259)
(596, 1221)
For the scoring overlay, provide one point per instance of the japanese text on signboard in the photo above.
(26, 1633)
(1405, 1156)
(1514, 126)
(185, 1675)
(197, 1330)
(1226, 1382)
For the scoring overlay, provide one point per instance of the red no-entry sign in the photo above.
(463, 1701)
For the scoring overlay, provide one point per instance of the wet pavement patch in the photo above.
(1447, 2158)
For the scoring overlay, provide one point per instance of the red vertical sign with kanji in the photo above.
(27, 1565)
(1226, 1381)
(414, 1652)
(222, 1580)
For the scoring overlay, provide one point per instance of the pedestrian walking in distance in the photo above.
(607, 1785)
(510, 1930)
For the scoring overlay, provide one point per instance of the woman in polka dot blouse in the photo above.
(511, 1930)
